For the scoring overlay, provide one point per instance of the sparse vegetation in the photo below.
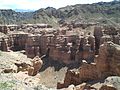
(6, 85)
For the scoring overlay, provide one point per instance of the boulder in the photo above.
(30, 71)
(37, 64)
(22, 66)
(8, 70)
(32, 68)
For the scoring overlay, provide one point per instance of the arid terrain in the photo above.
(61, 48)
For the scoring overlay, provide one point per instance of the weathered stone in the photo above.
(107, 63)
(108, 60)
(4, 29)
(91, 41)
(30, 71)
(4, 45)
(88, 72)
(19, 40)
(33, 47)
(108, 87)
(98, 34)
(22, 66)
(32, 68)
(8, 70)
(37, 64)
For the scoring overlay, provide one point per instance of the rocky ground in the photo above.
(47, 78)
(50, 77)
(21, 81)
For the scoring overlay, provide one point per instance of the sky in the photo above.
(37, 4)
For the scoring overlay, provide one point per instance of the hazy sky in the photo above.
(37, 4)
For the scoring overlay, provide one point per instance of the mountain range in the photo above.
(101, 12)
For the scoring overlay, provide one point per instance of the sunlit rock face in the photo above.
(106, 64)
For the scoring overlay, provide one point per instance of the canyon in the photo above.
(71, 48)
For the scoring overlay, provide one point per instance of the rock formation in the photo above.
(32, 68)
(4, 44)
(106, 64)
(32, 46)
(37, 64)
(4, 29)
(107, 87)
(98, 34)
(72, 43)
(19, 41)
(22, 66)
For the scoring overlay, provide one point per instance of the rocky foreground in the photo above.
(103, 74)
(11, 80)
(71, 57)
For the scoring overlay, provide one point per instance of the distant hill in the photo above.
(102, 12)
